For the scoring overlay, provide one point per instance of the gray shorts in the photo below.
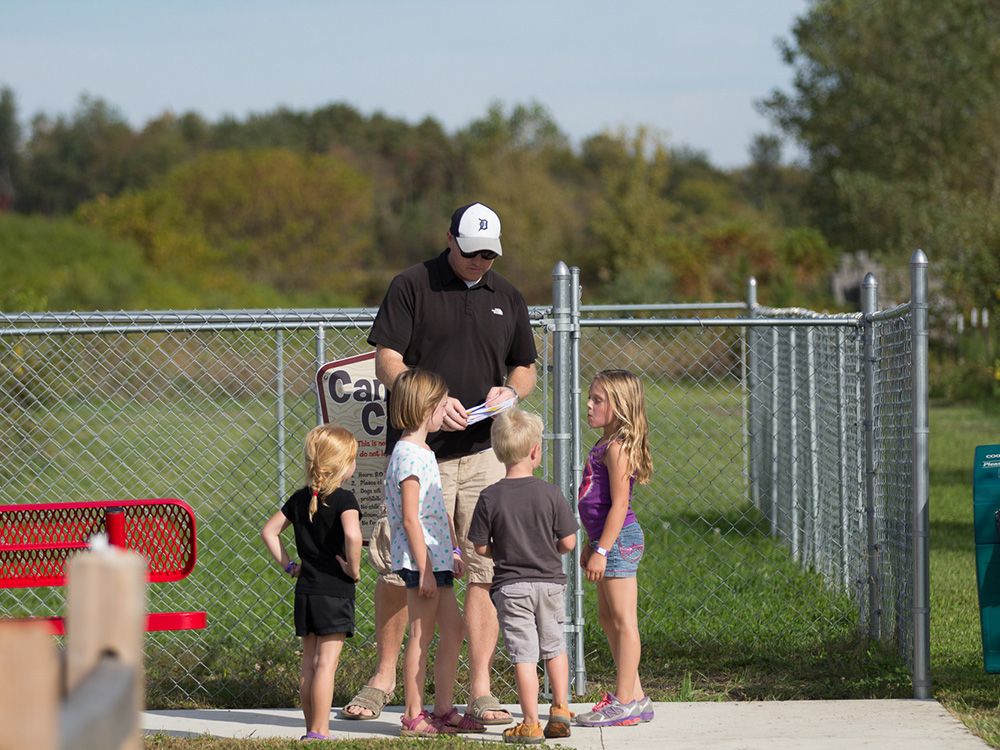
(532, 614)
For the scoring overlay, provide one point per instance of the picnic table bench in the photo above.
(36, 540)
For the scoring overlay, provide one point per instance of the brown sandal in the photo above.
(370, 698)
(424, 724)
(478, 708)
(465, 724)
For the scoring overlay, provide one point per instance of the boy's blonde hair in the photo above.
(329, 451)
(514, 433)
(414, 393)
(631, 428)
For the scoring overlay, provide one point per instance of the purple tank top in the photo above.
(595, 494)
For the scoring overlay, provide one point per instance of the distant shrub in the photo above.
(55, 264)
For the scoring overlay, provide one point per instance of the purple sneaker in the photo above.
(612, 714)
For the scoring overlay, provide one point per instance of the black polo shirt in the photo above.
(471, 336)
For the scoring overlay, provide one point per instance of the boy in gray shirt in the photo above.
(525, 525)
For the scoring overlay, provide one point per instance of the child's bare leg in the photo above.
(620, 621)
(557, 669)
(422, 613)
(327, 656)
(526, 680)
(306, 675)
(451, 629)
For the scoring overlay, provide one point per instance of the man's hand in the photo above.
(454, 416)
(500, 393)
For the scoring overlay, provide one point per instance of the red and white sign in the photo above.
(350, 395)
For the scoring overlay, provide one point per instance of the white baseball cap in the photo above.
(476, 227)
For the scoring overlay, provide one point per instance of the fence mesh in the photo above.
(755, 519)
(893, 450)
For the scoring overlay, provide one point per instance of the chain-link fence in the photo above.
(755, 520)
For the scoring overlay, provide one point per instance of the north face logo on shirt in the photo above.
(497, 311)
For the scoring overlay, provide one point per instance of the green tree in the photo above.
(75, 159)
(10, 145)
(244, 222)
(632, 219)
(55, 264)
(897, 104)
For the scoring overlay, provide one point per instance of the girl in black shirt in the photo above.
(327, 522)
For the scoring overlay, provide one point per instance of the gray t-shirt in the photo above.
(522, 519)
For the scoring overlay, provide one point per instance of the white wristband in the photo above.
(601, 551)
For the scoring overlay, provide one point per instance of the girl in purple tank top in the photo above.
(617, 406)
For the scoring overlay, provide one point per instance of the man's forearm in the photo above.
(522, 380)
(388, 365)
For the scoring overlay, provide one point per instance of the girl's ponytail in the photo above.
(313, 503)
(329, 451)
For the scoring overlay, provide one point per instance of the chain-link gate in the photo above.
(789, 500)
(212, 408)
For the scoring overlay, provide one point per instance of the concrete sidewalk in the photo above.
(767, 725)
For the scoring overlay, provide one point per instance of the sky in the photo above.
(689, 69)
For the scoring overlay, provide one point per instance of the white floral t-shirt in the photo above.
(409, 460)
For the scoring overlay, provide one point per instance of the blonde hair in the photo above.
(630, 426)
(514, 433)
(414, 394)
(329, 451)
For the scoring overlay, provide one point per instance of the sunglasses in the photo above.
(484, 254)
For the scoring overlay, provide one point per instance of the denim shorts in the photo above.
(625, 553)
(411, 578)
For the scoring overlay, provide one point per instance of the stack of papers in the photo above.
(481, 412)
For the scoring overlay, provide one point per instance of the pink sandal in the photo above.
(466, 724)
(432, 727)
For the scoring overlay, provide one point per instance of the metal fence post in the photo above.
(812, 523)
(280, 387)
(577, 476)
(320, 361)
(775, 430)
(921, 478)
(750, 338)
(562, 433)
(869, 304)
(793, 453)
(842, 463)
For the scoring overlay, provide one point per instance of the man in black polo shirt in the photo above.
(455, 316)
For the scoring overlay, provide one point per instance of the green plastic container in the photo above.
(986, 512)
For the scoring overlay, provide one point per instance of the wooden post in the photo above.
(106, 607)
(29, 687)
